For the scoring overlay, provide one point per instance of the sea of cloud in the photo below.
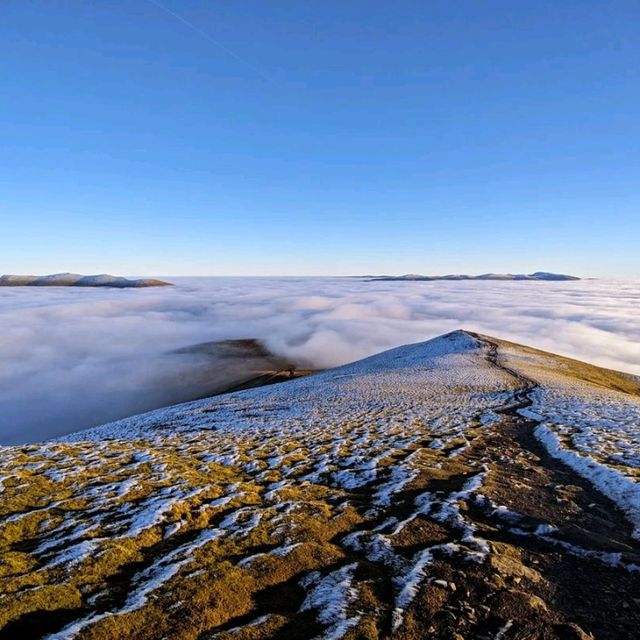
(73, 358)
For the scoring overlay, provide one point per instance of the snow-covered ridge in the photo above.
(404, 376)
(594, 429)
(598, 430)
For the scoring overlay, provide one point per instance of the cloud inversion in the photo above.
(73, 358)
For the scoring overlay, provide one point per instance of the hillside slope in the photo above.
(463, 487)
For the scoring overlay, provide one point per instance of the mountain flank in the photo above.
(233, 365)
(463, 487)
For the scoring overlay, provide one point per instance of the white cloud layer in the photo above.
(74, 358)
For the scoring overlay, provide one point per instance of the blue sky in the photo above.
(321, 137)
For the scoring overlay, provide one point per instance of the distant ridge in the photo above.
(77, 280)
(538, 275)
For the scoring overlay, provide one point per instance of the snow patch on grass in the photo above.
(332, 596)
(617, 486)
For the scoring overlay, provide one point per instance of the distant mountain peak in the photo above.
(537, 275)
(67, 279)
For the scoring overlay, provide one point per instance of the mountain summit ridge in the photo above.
(464, 474)
(67, 279)
(536, 276)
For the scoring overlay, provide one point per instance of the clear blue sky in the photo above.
(324, 136)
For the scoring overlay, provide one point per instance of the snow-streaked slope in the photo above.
(448, 378)
(589, 418)
(359, 502)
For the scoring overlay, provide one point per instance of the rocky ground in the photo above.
(460, 488)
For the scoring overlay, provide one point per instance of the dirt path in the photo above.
(535, 586)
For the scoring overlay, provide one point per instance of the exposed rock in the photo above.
(506, 560)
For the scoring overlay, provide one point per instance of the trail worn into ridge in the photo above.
(419, 493)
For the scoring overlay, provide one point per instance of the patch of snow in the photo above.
(617, 486)
(331, 596)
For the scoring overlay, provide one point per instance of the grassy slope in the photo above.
(373, 476)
